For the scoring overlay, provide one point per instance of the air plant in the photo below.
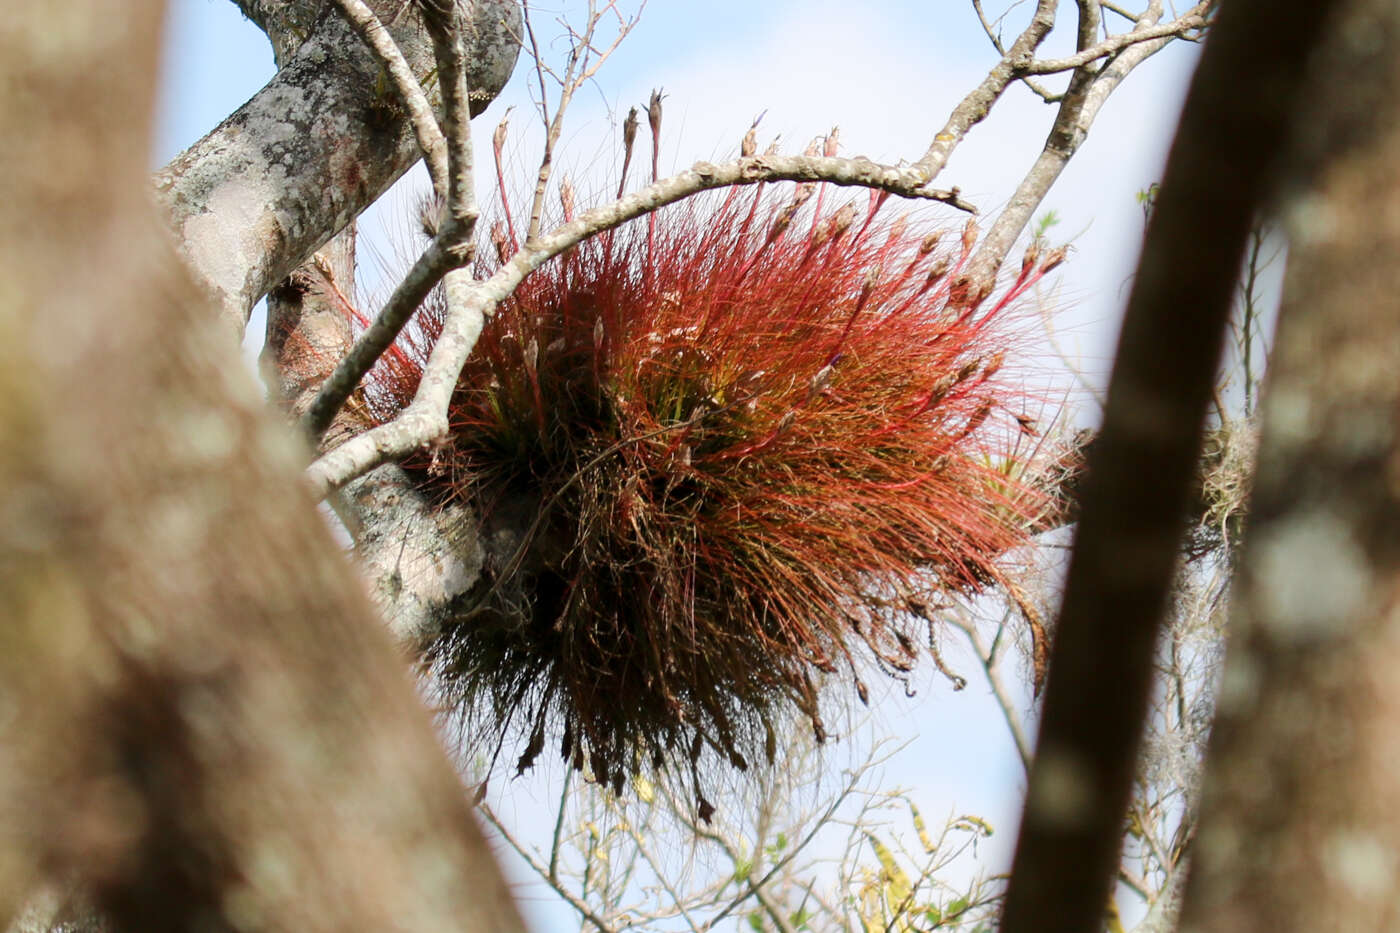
(746, 447)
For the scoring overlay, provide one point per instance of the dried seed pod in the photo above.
(654, 112)
(1053, 258)
(842, 219)
(1029, 260)
(498, 138)
(969, 235)
(993, 364)
(629, 131)
(749, 145)
(938, 270)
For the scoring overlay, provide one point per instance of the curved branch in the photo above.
(420, 111)
(388, 442)
(257, 196)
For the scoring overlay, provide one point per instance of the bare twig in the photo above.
(1039, 89)
(1009, 708)
(415, 101)
(1191, 21)
(1121, 11)
(583, 63)
(553, 874)
(760, 892)
(1088, 90)
(574, 901)
(662, 877)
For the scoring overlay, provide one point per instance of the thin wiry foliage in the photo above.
(755, 444)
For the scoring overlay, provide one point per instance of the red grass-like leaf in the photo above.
(752, 451)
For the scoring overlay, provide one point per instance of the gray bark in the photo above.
(256, 197)
(415, 556)
(287, 22)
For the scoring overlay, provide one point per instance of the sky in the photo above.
(887, 72)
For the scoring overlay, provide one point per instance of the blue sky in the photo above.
(886, 71)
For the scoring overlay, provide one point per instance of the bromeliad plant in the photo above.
(755, 441)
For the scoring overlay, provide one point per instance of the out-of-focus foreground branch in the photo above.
(203, 723)
(1300, 823)
(1237, 114)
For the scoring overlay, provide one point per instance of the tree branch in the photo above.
(1039, 89)
(236, 744)
(1079, 106)
(1299, 814)
(415, 101)
(973, 108)
(426, 418)
(256, 197)
(1237, 113)
(1177, 28)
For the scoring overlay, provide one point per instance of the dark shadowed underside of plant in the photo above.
(756, 443)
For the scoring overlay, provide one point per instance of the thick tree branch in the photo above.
(253, 199)
(1237, 113)
(236, 745)
(1300, 821)
(287, 23)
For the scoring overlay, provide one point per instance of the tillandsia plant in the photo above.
(755, 442)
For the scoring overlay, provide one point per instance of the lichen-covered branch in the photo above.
(257, 196)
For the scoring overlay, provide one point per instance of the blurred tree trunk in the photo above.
(200, 718)
(1301, 815)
